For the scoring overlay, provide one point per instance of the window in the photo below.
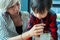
(24, 5)
(56, 3)
(56, 6)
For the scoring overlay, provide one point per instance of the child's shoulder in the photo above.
(32, 16)
(52, 13)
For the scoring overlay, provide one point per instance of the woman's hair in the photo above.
(4, 4)
(41, 5)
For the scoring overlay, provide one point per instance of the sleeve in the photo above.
(3, 31)
(53, 27)
(29, 26)
(25, 17)
(30, 23)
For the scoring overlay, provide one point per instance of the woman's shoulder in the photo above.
(1, 18)
(25, 14)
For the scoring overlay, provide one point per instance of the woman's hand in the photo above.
(51, 38)
(37, 29)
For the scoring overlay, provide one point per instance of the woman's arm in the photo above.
(23, 36)
(34, 31)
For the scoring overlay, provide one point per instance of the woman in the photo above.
(10, 18)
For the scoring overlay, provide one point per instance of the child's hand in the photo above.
(37, 29)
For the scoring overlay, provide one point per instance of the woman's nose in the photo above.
(16, 8)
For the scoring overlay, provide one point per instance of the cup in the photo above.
(45, 36)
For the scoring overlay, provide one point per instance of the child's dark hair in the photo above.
(41, 5)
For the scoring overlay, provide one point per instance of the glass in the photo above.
(45, 36)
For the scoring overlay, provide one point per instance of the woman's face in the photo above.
(14, 9)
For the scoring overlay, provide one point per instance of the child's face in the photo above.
(40, 15)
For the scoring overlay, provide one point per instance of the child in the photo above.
(43, 14)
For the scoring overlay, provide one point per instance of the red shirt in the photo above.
(49, 20)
